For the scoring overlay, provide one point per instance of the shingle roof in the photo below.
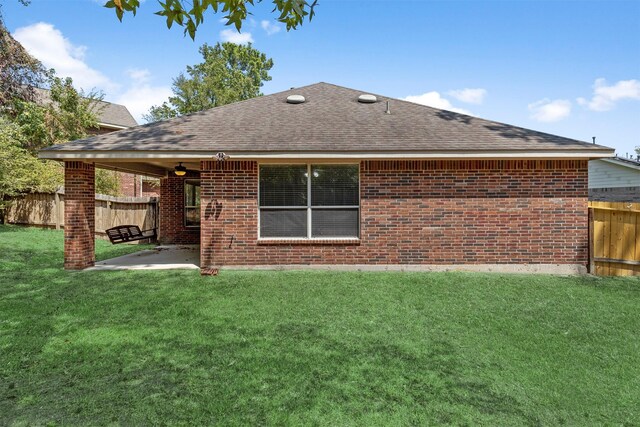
(624, 161)
(331, 120)
(114, 114)
(107, 112)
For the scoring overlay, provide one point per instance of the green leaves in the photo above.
(122, 6)
(62, 114)
(292, 13)
(229, 73)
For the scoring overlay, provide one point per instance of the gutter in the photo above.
(283, 155)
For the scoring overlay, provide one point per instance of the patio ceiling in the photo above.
(156, 168)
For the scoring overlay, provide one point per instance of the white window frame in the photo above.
(309, 207)
(184, 209)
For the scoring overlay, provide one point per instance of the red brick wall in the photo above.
(150, 188)
(129, 184)
(172, 229)
(416, 212)
(136, 186)
(79, 215)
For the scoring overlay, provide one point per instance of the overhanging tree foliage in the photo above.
(19, 71)
(190, 13)
(228, 73)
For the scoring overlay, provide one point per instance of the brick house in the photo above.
(326, 175)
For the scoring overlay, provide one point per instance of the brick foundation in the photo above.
(172, 229)
(79, 215)
(615, 194)
(416, 212)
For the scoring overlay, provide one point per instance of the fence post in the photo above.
(108, 222)
(592, 267)
(57, 209)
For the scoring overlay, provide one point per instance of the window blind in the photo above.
(309, 201)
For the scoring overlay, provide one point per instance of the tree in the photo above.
(229, 73)
(59, 115)
(190, 13)
(32, 118)
(160, 112)
(21, 171)
(19, 71)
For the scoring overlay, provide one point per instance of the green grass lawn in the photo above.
(320, 348)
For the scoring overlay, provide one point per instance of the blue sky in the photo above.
(570, 68)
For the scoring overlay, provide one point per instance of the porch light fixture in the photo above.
(180, 170)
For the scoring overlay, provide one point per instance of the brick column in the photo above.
(79, 215)
(228, 212)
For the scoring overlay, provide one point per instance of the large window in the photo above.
(192, 203)
(309, 201)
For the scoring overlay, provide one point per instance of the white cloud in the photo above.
(233, 36)
(269, 27)
(140, 94)
(470, 96)
(47, 43)
(546, 110)
(605, 97)
(141, 75)
(435, 100)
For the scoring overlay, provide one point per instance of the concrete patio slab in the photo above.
(183, 257)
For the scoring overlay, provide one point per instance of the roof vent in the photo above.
(295, 99)
(367, 99)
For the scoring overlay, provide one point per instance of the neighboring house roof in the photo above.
(614, 172)
(624, 161)
(114, 116)
(330, 121)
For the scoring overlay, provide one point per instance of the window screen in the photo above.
(283, 223)
(334, 223)
(309, 201)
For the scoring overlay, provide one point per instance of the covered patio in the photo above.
(164, 257)
(178, 230)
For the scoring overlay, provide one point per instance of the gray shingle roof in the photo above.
(331, 120)
(107, 112)
(114, 114)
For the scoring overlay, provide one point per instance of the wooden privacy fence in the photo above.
(614, 238)
(47, 210)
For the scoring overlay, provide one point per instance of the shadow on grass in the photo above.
(171, 347)
(390, 375)
(12, 228)
(132, 374)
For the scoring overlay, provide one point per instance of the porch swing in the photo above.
(132, 233)
(129, 233)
